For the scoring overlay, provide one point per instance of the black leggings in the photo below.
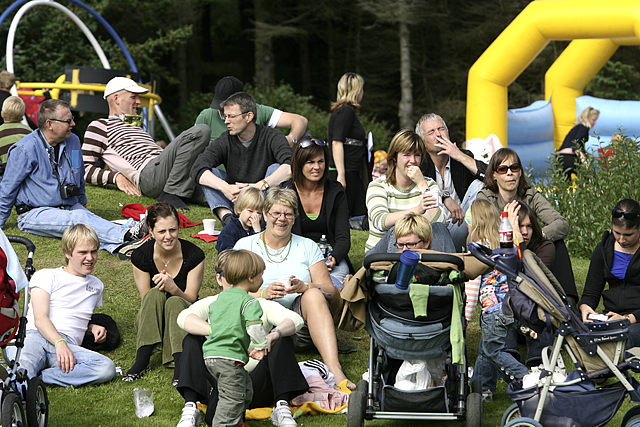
(568, 164)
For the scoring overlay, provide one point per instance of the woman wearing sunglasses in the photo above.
(505, 182)
(616, 262)
(347, 142)
(322, 204)
(296, 276)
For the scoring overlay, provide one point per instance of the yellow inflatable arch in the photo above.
(597, 29)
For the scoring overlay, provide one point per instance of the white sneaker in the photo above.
(281, 415)
(190, 416)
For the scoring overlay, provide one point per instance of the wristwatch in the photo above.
(445, 194)
(266, 185)
(293, 139)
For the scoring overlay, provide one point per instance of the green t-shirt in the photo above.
(267, 116)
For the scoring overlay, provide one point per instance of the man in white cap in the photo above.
(137, 164)
(266, 116)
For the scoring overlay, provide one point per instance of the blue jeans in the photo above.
(459, 232)
(338, 273)
(493, 354)
(52, 222)
(216, 198)
(39, 357)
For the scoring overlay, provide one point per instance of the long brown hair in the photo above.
(536, 236)
(498, 157)
(403, 142)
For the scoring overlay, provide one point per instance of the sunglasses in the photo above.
(617, 213)
(306, 142)
(502, 169)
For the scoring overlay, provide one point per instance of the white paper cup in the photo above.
(209, 226)
(285, 280)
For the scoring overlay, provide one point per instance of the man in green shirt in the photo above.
(267, 116)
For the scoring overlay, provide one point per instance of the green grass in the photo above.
(112, 404)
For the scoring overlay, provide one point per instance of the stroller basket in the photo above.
(591, 408)
(433, 400)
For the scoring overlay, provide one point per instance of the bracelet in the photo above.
(266, 185)
(262, 293)
(58, 342)
(276, 330)
(307, 283)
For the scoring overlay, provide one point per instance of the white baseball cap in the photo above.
(119, 83)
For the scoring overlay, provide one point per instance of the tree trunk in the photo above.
(405, 108)
(265, 61)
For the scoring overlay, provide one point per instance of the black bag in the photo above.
(113, 334)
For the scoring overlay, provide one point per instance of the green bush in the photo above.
(587, 201)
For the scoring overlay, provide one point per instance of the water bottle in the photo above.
(324, 246)
(506, 232)
(408, 261)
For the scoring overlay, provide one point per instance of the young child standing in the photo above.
(246, 220)
(226, 348)
(483, 221)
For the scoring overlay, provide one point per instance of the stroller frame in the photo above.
(364, 402)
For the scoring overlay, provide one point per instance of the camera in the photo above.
(69, 190)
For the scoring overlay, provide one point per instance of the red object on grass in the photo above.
(134, 210)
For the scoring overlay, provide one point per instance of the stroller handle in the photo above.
(483, 254)
(31, 248)
(424, 257)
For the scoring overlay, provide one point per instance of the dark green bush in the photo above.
(587, 201)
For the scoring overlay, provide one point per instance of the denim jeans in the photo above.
(441, 241)
(52, 222)
(216, 198)
(459, 233)
(39, 357)
(338, 273)
(493, 354)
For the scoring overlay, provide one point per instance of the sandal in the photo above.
(135, 377)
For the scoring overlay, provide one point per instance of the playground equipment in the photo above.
(83, 86)
(597, 30)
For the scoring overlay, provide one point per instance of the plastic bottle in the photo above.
(324, 246)
(506, 232)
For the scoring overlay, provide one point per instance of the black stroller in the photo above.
(17, 391)
(596, 349)
(399, 336)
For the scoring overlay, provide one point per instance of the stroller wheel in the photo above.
(510, 414)
(474, 410)
(357, 405)
(12, 413)
(524, 422)
(632, 417)
(37, 403)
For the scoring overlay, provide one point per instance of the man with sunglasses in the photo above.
(265, 115)
(252, 154)
(44, 179)
(457, 173)
(137, 164)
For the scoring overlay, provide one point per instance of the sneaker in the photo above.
(487, 396)
(190, 416)
(125, 250)
(281, 415)
(139, 230)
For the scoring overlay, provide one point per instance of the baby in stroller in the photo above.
(483, 221)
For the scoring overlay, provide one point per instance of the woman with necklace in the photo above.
(616, 262)
(322, 204)
(310, 292)
(168, 273)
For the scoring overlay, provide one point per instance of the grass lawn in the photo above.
(112, 404)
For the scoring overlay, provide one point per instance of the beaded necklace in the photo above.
(278, 252)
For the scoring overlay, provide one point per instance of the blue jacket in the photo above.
(29, 178)
(231, 233)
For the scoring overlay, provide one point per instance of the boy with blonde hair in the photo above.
(413, 231)
(246, 220)
(12, 131)
(226, 348)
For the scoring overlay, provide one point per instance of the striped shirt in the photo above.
(124, 148)
(384, 198)
(10, 133)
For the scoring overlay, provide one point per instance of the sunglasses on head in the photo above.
(502, 169)
(306, 142)
(617, 213)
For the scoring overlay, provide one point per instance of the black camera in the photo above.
(69, 190)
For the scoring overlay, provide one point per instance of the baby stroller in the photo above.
(17, 391)
(596, 349)
(404, 339)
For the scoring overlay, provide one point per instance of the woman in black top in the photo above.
(168, 273)
(347, 140)
(321, 203)
(576, 139)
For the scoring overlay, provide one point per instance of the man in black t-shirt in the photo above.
(253, 155)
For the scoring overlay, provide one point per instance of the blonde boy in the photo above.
(246, 220)
(12, 131)
(226, 348)
(413, 231)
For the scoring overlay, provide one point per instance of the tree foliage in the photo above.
(616, 81)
